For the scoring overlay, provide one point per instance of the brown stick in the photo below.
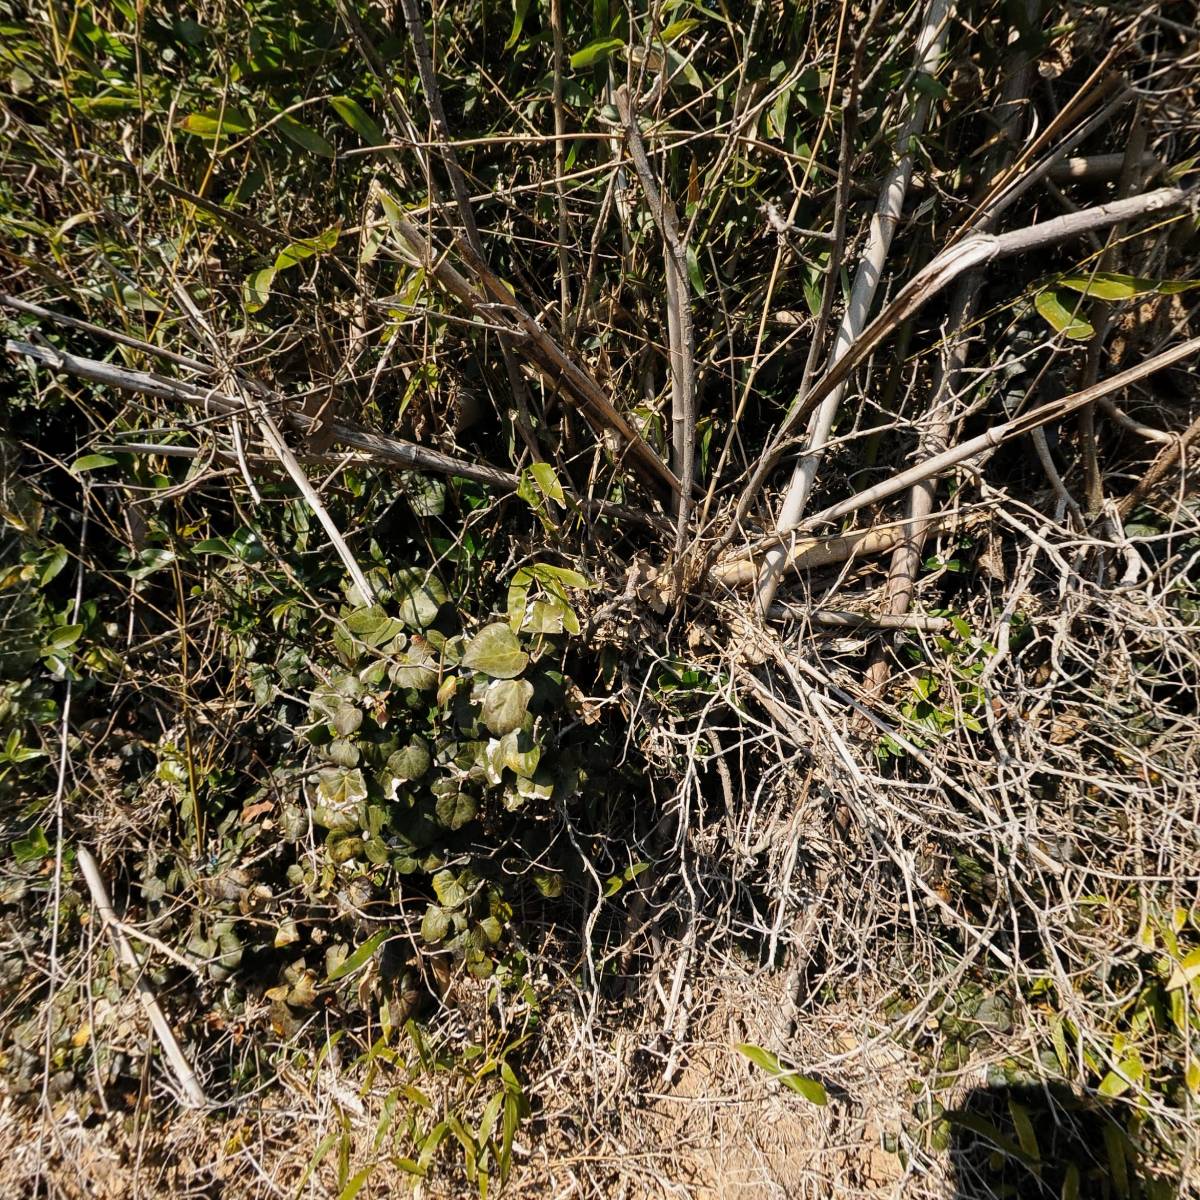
(193, 1093)
(1158, 469)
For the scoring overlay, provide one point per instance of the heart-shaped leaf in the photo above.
(495, 651)
(505, 704)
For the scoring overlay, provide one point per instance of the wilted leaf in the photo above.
(495, 651)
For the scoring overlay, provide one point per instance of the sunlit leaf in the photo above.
(595, 52)
(1061, 317)
(495, 651)
(358, 119)
(811, 1089)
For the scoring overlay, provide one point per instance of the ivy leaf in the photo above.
(455, 810)
(436, 924)
(505, 704)
(421, 595)
(811, 1089)
(495, 651)
(341, 786)
(410, 762)
(450, 893)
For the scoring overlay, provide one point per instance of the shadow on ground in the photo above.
(1042, 1142)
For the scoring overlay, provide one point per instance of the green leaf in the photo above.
(213, 124)
(33, 847)
(435, 925)
(547, 481)
(304, 248)
(358, 119)
(1113, 285)
(304, 137)
(811, 1089)
(927, 85)
(341, 786)
(1026, 1134)
(410, 762)
(1184, 971)
(355, 1183)
(595, 52)
(92, 462)
(455, 810)
(1128, 1073)
(677, 29)
(450, 893)
(1061, 318)
(694, 272)
(63, 638)
(420, 594)
(217, 546)
(360, 956)
(520, 11)
(505, 704)
(256, 289)
(495, 651)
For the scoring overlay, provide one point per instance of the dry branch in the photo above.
(193, 1093)
(387, 451)
(999, 434)
(930, 44)
(679, 321)
(955, 260)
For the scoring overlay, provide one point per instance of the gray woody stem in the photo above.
(193, 1093)
(679, 321)
(930, 43)
(938, 274)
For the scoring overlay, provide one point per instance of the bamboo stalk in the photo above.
(930, 44)
(679, 323)
(973, 251)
